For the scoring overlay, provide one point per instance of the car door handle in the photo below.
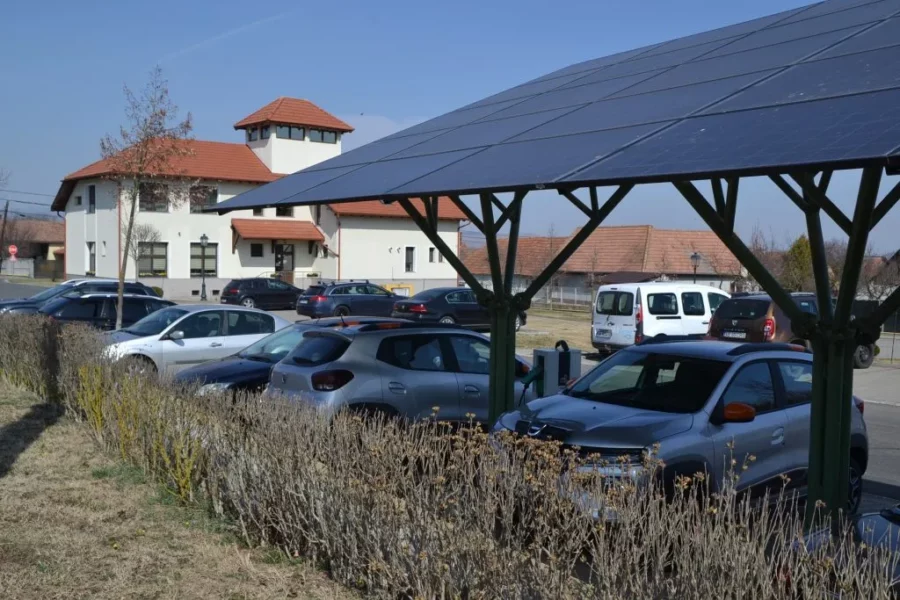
(778, 436)
(215, 344)
(397, 388)
(472, 390)
(705, 323)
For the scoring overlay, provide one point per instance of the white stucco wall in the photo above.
(100, 227)
(375, 249)
(289, 156)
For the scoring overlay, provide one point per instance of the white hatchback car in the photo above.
(185, 335)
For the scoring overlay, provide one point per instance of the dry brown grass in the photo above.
(544, 329)
(75, 523)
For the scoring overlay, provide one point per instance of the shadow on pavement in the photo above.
(880, 488)
(17, 436)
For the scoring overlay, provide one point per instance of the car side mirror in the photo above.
(738, 412)
(175, 335)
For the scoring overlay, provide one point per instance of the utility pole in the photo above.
(3, 233)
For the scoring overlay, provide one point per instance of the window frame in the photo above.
(431, 254)
(77, 200)
(720, 299)
(252, 134)
(257, 212)
(265, 132)
(260, 246)
(211, 198)
(97, 303)
(152, 189)
(406, 263)
(164, 272)
(773, 377)
(204, 256)
(781, 386)
(684, 305)
(457, 366)
(446, 352)
(293, 133)
(91, 258)
(663, 314)
(92, 200)
(288, 209)
(261, 315)
(223, 323)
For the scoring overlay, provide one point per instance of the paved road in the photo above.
(879, 386)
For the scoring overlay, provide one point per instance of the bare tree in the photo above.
(142, 233)
(145, 151)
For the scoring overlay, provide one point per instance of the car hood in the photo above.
(587, 423)
(231, 369)
(117, 337)
(17, 302)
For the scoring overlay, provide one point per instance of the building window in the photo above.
(322, 136)
(317, 213)
(257, 212)
(431, 255)
(77, 200)
(290, 132)
(92, 199)
(92, 258)
(103, 249)
(203, 196)
(284, 211)
(153, 197)
(256, 250)
(154, 259)
(264, 132)
(252, 134)
(410, 259)
(204, 260)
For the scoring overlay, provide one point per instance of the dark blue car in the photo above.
(346, 298)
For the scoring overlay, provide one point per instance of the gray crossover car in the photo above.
(399, 369)
(705, 403)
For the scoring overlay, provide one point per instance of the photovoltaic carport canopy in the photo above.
(814, 87)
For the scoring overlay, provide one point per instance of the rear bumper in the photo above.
(608, 348)
(415, 317)
(314, 311)
(229, 299)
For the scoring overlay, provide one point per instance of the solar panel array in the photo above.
(818, 85)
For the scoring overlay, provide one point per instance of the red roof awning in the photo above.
(277, 229)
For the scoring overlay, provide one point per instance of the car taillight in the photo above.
(329, 381)
(418, 308)
(230, 290)
(769, 329)
(317, 299)
(712, 324)
(860, 405)
(639, 324)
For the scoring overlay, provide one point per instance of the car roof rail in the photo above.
(662, 338)
(767, 346)
(366, 327)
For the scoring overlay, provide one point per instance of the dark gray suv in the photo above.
(705, 403)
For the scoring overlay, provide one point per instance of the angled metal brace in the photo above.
(496, 202)
(731, 202)
(818, 198)
(595, 203)
(512, 246)
(825, 181)
(441, 245)
(470, 214)
(431, 211)
(493, 252)
(887, 203)
(890, 305)
(792, 194)
(507, 211)
(576, 241)
(739, 249)
(577, 203)
(718, 195)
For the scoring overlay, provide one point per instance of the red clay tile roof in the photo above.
(375, 208)
(277, 229)
(293, 111)
(634, 249)
(201, 160)
(37, 231)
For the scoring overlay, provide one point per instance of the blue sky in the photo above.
(380, 66)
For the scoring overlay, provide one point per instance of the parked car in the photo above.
(756, 318)
(99, 310)
(346, 298)
(249, 369)
(449, 306)
(185, 335)
(403, 370)
(72, 287)
(704, 403)
(626, 314)
(260, 292)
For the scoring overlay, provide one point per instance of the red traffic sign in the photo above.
(13, 250)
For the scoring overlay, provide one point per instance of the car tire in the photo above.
(864, 356)
(854, 489)
(248, 302)
(447, 320)
(140, 365)
(341, 311)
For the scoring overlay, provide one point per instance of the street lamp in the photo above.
(204, 240)
(695, 262)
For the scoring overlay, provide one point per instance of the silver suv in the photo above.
(394, 368)
(705, 403)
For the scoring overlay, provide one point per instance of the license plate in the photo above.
(303, 301)
(735, 335)
(604, 333)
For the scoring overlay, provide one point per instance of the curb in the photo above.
(879, 488)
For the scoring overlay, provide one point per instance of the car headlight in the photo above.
(629, 470)
(213, 388)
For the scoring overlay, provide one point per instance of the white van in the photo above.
(627, 313)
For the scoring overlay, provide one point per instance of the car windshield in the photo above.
(52, 305)
(652, 381)
(50, 293)
(274, 347)
(154, 323)
(427, 295)
(741, 308)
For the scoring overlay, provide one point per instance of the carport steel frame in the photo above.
(834, 335)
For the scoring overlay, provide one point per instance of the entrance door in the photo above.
(284, 262)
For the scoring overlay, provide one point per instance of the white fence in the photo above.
(23, 267)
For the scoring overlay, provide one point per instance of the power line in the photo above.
(29, 193)
(44, 204)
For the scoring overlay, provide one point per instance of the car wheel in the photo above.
(341, 311)
(864, 356)
(854, 489)
(248, 302)
(448, 320)
(139, 365)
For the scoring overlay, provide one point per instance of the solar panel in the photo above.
(816, 86)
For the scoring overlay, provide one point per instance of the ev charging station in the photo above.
(555, 368)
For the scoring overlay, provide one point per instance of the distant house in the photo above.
(363, 240)
(619, 255)
(40, 247)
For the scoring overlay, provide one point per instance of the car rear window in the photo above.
(314, 290)
(616, 304)
(316, 348)
(742, 308)
(428, 295)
